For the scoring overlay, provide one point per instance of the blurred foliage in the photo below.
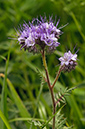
(22, 66)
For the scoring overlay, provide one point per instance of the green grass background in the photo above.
(18, 95)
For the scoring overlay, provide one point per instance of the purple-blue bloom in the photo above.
(68, 61)
(39, 35)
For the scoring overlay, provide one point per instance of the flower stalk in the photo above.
(50, 87)
(57, 76)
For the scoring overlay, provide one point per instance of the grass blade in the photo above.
(23, 111)
(4, 92)
(5, 120)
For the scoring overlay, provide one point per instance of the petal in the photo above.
(67, 62)
(74, 57)
(61, 59)
(62, 63)
(21, 39)
(29, 41)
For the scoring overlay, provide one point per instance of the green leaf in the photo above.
(18, 101)
(52, 117)
(4, 92)
(42, 111)
(23, 111)
(38, 97)
(78, 25)
(4, 120)
(26, 119)
(36, 123)
(2, 57)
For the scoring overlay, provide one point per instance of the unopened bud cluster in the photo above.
(68, 61)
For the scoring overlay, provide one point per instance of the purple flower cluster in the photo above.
(39, 35)
(68, 62)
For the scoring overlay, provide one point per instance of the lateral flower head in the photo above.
(39, 35)
(68, 62)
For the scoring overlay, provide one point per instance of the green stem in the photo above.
(50, 87)
(46, 70)
(57, 76)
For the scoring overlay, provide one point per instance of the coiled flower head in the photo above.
(40, 36)
(68, 62)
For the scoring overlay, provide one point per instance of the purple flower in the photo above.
(68, 62)
(40, 36)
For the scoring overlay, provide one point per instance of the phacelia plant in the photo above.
(41, 36)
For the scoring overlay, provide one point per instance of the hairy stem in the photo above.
(57, 76)
(50, 87)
